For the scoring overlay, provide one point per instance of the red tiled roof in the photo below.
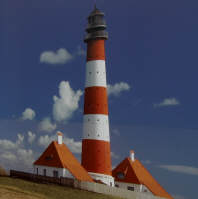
(136, 173)
(58, 155)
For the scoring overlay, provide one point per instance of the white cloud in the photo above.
(146, 161)
(117, 88)
(68, 102)
(20, 139)
(168, 102)
(45, 140)
(8, 156)
(13, 155)
(28, 114)
(7, 145)
(61, 56)
(115, 156)
(181, 169)
(73, 145)
(31, 137)
(46, 125)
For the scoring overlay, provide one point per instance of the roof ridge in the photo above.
(131, 164)
(59, 155)
(66, 165)
(153, 179)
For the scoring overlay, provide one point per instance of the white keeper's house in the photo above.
(58, 161)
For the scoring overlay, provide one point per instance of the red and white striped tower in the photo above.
(96, 153)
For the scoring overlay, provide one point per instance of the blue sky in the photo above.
(152, 49)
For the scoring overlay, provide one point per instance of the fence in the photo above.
(42, 179)
(88, 186)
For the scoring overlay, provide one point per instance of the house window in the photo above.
(50, 157)
(120, 175)
(37, 171)
(55, 174)
(44, 172)
(130, 188)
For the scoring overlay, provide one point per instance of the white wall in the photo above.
(100, 188)
(123, 185)
(107, 179)
(137, 187)
(62, 172)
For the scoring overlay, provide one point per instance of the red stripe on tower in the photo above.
(96, 153)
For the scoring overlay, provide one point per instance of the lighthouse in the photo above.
(96, 153)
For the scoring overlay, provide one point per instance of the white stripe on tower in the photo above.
(96, 73)
(96, 127)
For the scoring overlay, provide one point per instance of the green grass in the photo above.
(50, 191)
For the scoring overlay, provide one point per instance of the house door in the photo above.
(44, 172)
(55, 174)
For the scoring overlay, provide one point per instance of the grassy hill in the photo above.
(20, 189)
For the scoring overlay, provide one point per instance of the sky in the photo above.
(151, 60)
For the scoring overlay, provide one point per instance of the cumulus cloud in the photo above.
(68, 102)
(7, 145)
(13, 155)
(61, 56)
(31, 137)
(168, 102)
(73, 145)
(45, 140)
(28, 114)
(115, 156)
(117, 88)
(46, 125)
(20, 139)
(181, 169)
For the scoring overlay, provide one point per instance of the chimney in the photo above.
(132, 155)
(60, 137)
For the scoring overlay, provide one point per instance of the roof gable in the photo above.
(129, 174)
(50, 157)
(58, 155)
(138, 174)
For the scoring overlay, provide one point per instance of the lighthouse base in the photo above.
(106, 179)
